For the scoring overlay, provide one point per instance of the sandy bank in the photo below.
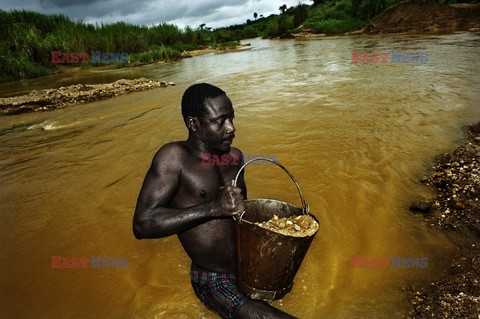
(52, 99)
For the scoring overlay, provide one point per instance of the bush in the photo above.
(27, 39)
(154, 54)
(278, 26)
(333, 26)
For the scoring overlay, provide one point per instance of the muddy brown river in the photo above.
(358, 137)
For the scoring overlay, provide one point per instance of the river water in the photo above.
(357, 137)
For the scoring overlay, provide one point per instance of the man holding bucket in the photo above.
(181, 196)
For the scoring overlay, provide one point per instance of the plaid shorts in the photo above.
(218, 292)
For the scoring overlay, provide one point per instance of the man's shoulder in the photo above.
(235, 151)
(237, 155)
(171, 153)
(173, 148)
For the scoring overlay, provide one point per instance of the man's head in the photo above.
(193, 100)
(208, 114)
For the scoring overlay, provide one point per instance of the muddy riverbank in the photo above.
(456, 211)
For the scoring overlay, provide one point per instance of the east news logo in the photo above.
(82, 57)
(396, 262)
(397, 57)
(81, 262)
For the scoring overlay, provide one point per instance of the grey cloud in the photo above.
(215, 13)
(67, 3)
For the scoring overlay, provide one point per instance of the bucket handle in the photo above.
(305, 207)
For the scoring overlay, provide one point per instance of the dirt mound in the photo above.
(426, 17)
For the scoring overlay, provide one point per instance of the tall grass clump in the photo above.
(27, 39)
(335, 18)
(155, 53)
(279, 25)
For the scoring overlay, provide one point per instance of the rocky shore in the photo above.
(52, 99)
(455, 210)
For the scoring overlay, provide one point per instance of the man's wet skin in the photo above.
(181, 196)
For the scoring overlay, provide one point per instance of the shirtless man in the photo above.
(181, 196)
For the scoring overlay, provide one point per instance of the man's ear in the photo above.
(192, 123)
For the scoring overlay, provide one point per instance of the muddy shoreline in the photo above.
(456, 211)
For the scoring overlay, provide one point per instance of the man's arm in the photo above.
(154, 219)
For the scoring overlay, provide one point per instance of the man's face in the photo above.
(216, 124)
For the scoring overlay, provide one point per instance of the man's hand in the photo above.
(229, 201)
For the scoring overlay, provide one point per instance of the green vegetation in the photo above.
(27, 38)
(324, 16)
(223, 45)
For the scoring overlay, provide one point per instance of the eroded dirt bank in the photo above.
(425, 18)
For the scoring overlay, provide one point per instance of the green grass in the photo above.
(228, 44)
(279, 26)
(28, 38)
(156, 53)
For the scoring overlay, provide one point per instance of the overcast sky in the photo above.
(215, 13)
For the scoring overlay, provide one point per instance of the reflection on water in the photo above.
(357, 137)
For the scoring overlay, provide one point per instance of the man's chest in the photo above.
(203, 182)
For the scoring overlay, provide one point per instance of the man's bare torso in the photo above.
(210, 245)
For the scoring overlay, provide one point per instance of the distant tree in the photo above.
(261, 16)
(249, 21)
(283, 8)
(317, 2)
(255, 15)
(300, 14)
(202, 26)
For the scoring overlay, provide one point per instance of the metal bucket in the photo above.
(268, 261)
